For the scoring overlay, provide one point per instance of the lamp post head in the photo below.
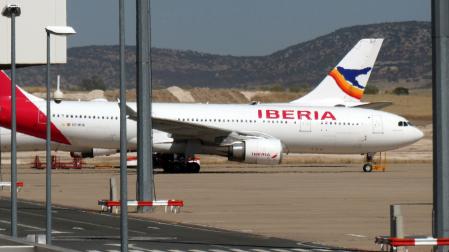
(60, 30)
(11, 9)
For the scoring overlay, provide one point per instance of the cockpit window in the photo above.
(404, 124)
(410, 124)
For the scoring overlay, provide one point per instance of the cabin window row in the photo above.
(85, 117)
(229, 120)
(215, 120)
(255, 121)
(341, 123)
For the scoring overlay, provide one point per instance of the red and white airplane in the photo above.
(327, 120)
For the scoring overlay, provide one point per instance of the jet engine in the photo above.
(256, 151)
(95, 152)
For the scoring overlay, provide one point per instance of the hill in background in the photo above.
(405, 60)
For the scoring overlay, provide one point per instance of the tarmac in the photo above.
(334, 205)
(91, 231)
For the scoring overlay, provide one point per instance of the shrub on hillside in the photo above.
(276, 88)
(400, 91)
(299, 89)
(92, 83)
(371, 90)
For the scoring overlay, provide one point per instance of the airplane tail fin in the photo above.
(345, 84)
(5, 89)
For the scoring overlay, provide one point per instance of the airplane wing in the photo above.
(207, 134)
(189, 130)
(186, 130)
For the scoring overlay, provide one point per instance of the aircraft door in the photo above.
(41, 118)
(377, 124)
(305, 126)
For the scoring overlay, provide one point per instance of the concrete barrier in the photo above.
(9, 244)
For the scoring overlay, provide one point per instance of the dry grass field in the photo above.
(416, 106)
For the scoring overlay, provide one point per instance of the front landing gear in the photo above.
(368, 166)
(375, 162)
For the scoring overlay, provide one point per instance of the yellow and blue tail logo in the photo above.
(346, 79)
(346, 83)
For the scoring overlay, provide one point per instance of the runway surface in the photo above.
(91, 231)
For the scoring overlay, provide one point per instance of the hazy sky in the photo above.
(237, 27)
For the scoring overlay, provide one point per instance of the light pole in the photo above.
(145, 180)
(12, 11)
(123, 140)
(440, 89)
(61, 31)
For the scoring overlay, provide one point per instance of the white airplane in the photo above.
(324, 121)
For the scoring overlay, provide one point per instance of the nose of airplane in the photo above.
(417, 134)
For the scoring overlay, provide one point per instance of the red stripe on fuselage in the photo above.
(29, 119)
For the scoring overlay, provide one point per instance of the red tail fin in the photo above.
(30, 120)
(5, 85)
(5, 89)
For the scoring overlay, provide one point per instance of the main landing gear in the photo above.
(176, 163)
